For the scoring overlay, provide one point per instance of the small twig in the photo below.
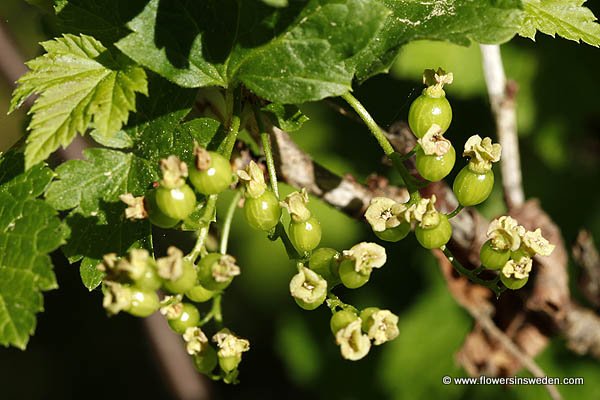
(490, 327)
(502, 99)
(227, 223)
(586, 255)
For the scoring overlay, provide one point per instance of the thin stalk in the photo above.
(206, 219)
(472, 274)
(455, 212)
(234, 106)
(265, 139)
(334, 302)
(227, 222)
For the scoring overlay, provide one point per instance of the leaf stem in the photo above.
(265, 139)
(227, 223)
(234, 106)
(455, 212)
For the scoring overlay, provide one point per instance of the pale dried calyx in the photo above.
(518, 269)
(434, 142)
(196, 341)
(366, 256)
(482, 153)
(308, 286)
(224, 269)
(435, 81)
(171, 306)
(202, 158)
(171, 266)
(135, 206)
(431, 217)
(117, 297)
(174, 172)
(253, 179)
(535, 243)
(133, 266)
(383, 326)
(505, 233)
(354, 345)
(295, 203)
(384, 213)
(229, 344)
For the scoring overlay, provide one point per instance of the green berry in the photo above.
(188, 318)
(199, 294)
(325, 262)
(513, 283)
(394, 234)
(492, 258)
(365, 315)
(229, 363)
(432, 167)
(206, 360)
(472, 188)
(426, 111)
(185, 282)
(143, 302)
(176, 203)
(341, 319)
(350, 277)
(149, 279)
(312, 305)
(263, 212)
(156, 216)
(214, 179)
(210, 265)
(306, 235)
(434, 237)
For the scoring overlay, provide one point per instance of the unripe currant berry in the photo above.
(263, 212)
(143, 302)
(325, 262)
(215, 174)
(428, 109)
(472, 188)
(186, 317)
(206, 360)
(433, 167)
(149, 279)
(512, 282)
(176, 203)
(435, 236)
(185, 282)
(394, 234)
(229, 363)
(305, 235)
(216, 271)
(156, 216)
(341, 319)
(492, 258)
(199, 294)
(351, 278)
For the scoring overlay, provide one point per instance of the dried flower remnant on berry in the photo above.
(308, 286)
(505, 233)
(202, 158)
(174, 172)
(135, 206)
(383, 326)
(117, 297)
(171, 306)
(434, 142)
(435, 81)
(354, 344)
(482, 153)
(295, 203)
(224, 269)
(196, 341)
(229, 344)
(171, 266)
(253, 179)
(430, 218)
(534, 243)
(518, 269)
(383, 214)
(366, 256)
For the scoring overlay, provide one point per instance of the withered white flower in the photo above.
(535, 243)
(229, 344)
(482, 153)
(135, 206)
(135, 263)
(109, 262)
(225, 269)
(434, 142)
(380, 214)
(171, 266)
(171, 306)
(295, 203)
(308, 286)
(116, 297)
(195, 340)
(505, 233)
(174, 172)
(518, 269)
(366, 256)
(383, 326)
(354, 344)
(253, 179)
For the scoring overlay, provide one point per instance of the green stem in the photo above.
(265, 139)
(472, 274)
(207, 218)
(216, 309)
(455, 212)
(280, 233)
(227, 222)
(370, 122)
(334, 302)
(409, 181)
(234, 105)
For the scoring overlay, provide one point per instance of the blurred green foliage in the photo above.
(293, 352)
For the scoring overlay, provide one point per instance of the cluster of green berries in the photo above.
(510, 249)
(131, 284)
(429, 117)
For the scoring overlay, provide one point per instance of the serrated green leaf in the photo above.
(80, 85)
(83, 184)
(288, 55)
(285, 116)
(567, 18)
(457, 21)
(120, 140)
(29, 230)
